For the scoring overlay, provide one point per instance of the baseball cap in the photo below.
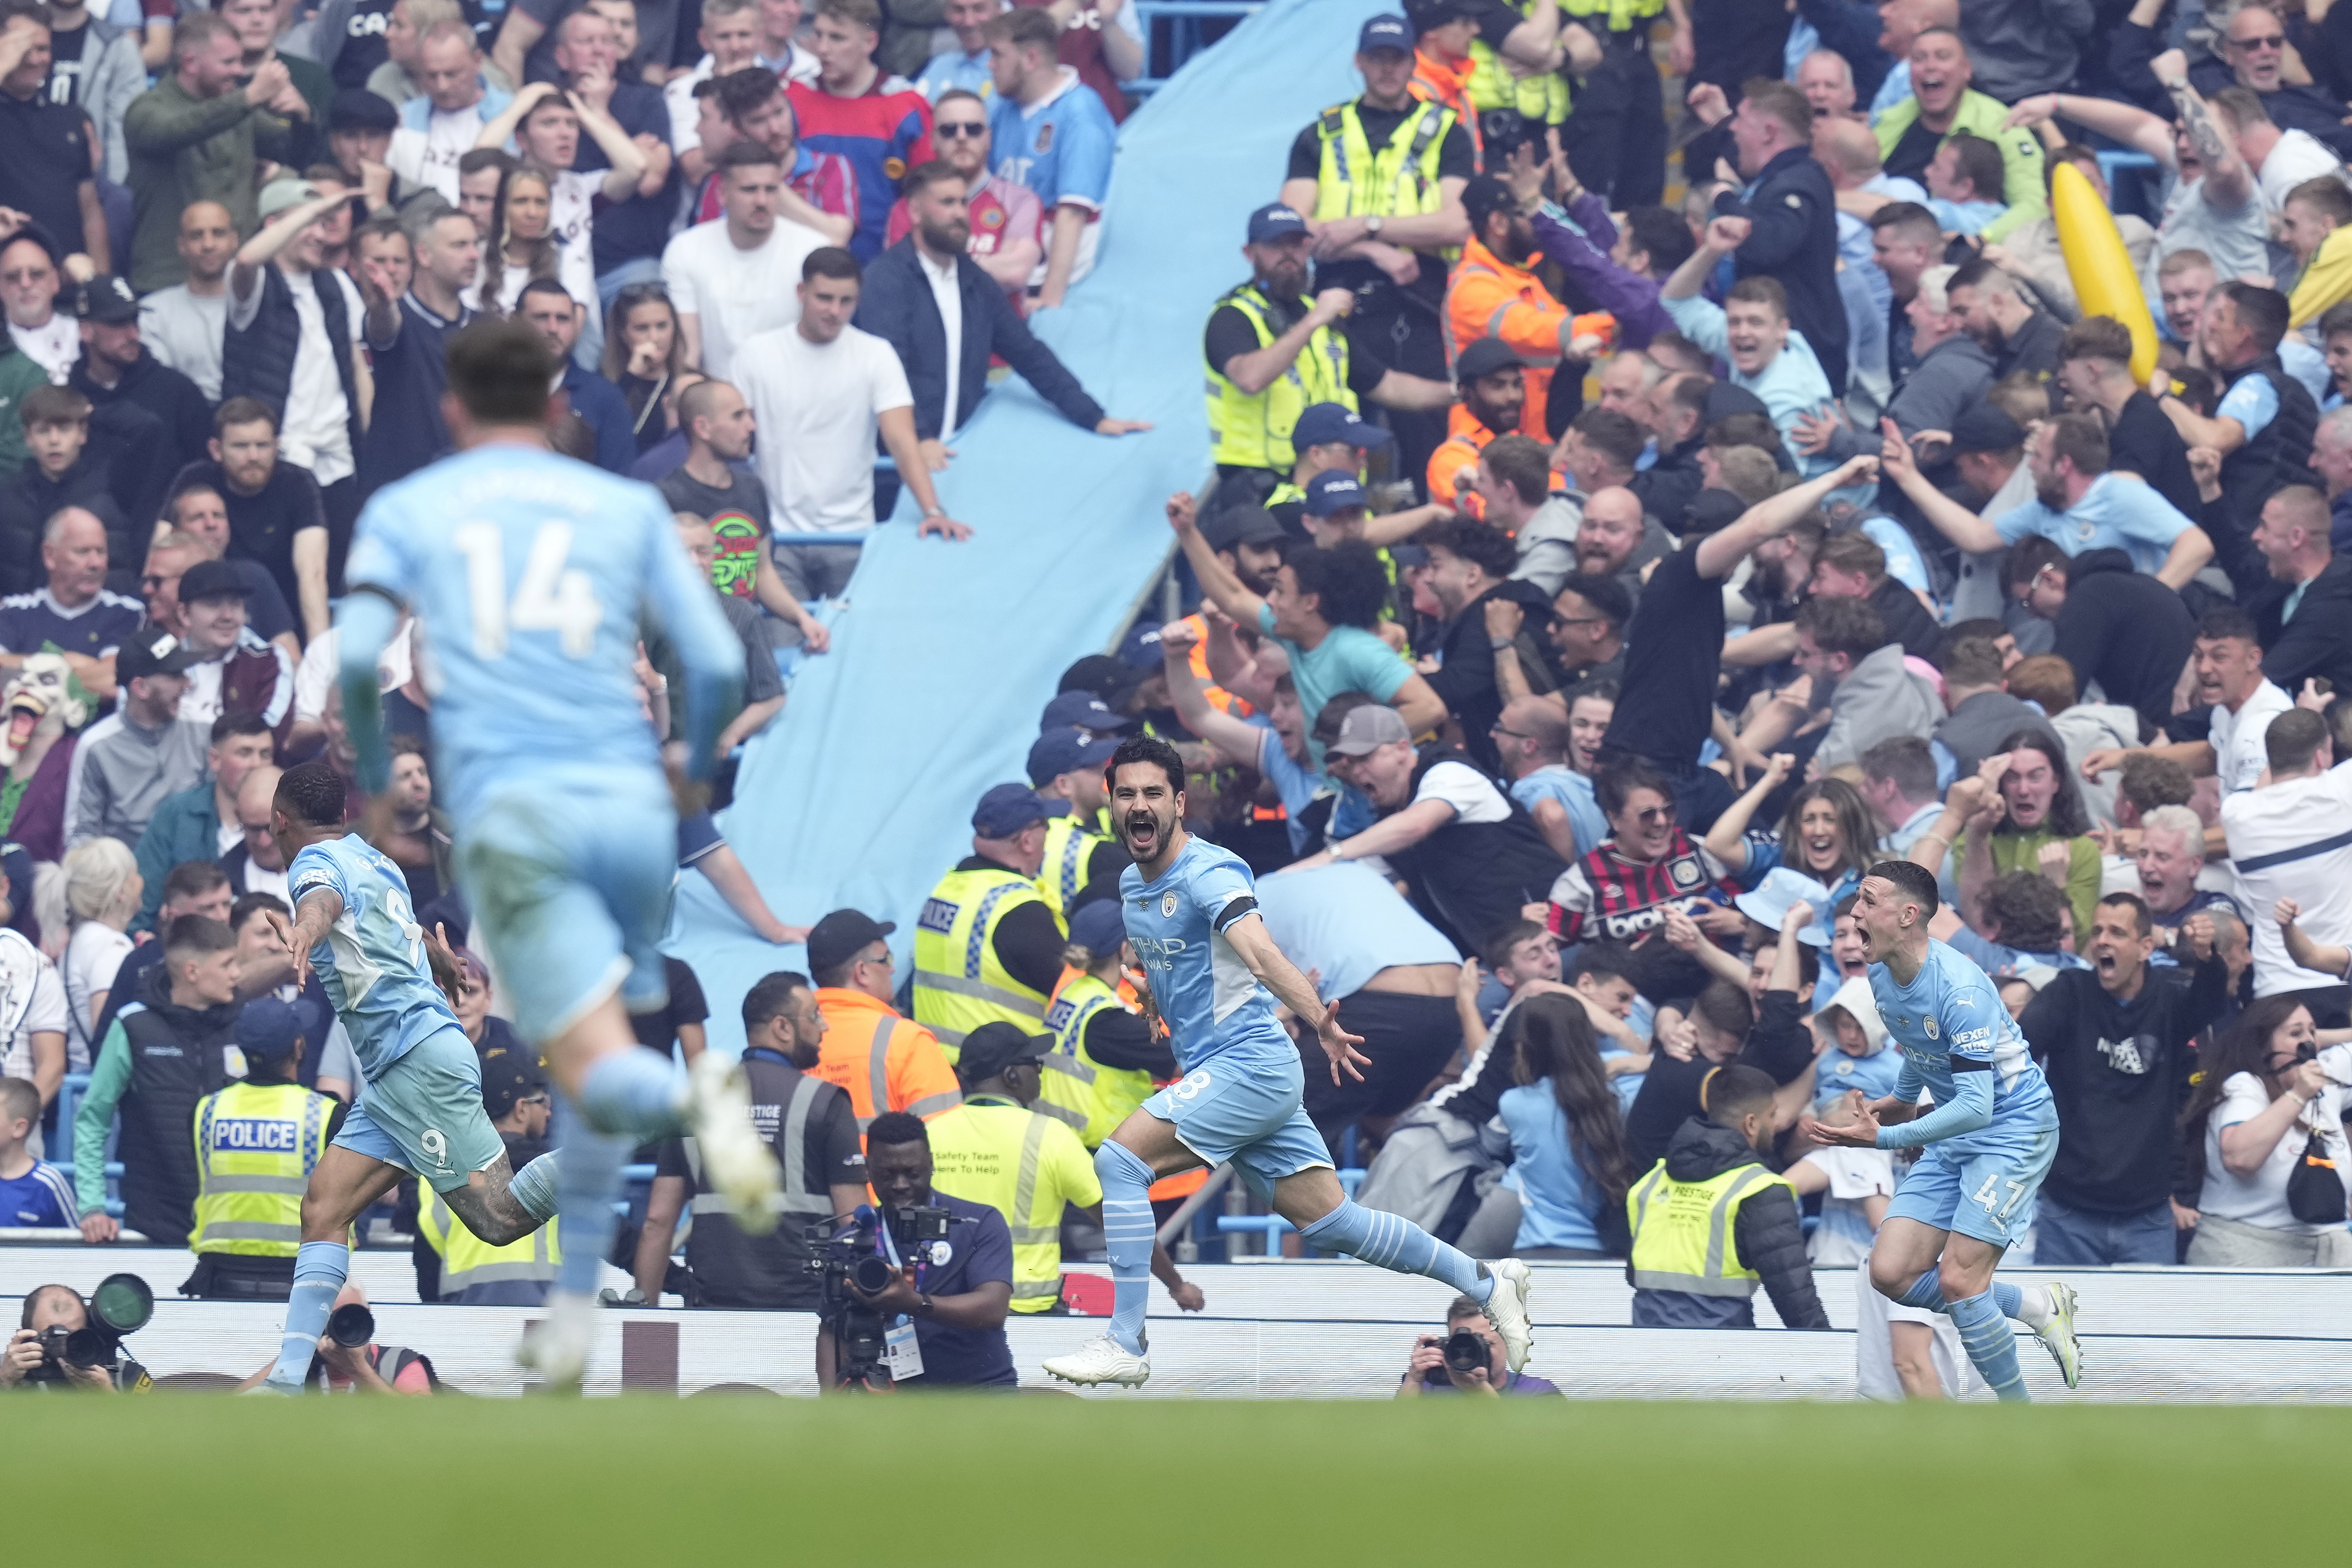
(1099, 927)
(1334, 489)
(150, 650)
(1367, 728)
(1059, 752)
(1275, 221)
(1139, 648)
(1239, 525)
(1005, 810)
(1104, 676)
(268, 1029)
(1482, 197)
(357, 109)
(278, 196)
(1982, 427)
(1429, 13)
(509, 1079)
(1711, 509)
(1390, 32)
(842, 936)
(211, 580)
(108, 299)
(1767, 902)
(991, 1049)
(1485, 357)
(1082, 711)
(1321, 423)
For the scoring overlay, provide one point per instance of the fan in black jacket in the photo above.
(1768, 1231)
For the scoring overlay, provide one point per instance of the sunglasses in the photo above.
(1651, 816)
(972, 129)
(2267, 41)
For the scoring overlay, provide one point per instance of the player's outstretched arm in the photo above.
(1249, 938)
(364, 624)
(712, 654)
(321, 908)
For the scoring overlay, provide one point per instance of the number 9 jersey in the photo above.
(528, 572)
(371, 961)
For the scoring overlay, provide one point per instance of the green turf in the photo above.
(190, 1479)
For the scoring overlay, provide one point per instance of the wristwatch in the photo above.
(1372, 227)
(922, 1303)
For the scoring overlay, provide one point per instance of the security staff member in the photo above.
(988, 947)
(994, 1149)
(1711, 1221)
(1615, 138)
(473, 1273)
(1066, 767)
(1272, 353)
(1105, 1055)
(1494, 293)
(1382, 179)
(808, 1125)
(256, 1142)
(1494, 402)
(883, 1061)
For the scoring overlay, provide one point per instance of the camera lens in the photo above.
(351, 1326)
(1464, 1350)
(873, 1276)
(123, 1302)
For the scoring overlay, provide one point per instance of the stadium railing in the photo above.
(1176, 30)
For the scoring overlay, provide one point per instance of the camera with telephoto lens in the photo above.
(1465, 1353)
(846, 1252)
(118, 1307)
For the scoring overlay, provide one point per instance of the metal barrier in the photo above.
(2141, 170)
(1186, 34)
(1273, 1226)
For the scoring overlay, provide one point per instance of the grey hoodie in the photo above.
(1878, 698)
(2088, 726)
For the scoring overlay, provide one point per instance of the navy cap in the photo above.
(842, 936)
(1982, 427)
(1082, 711)
(1385, 33)
(1275, 221)
(1105, 675)
(508, 1077)
(150, 650)
(211, 580)
(991, 1049)
(1099, 927)
(268, 1029)
(1321, 423)
(1139, 648)
(107, 301)
(1334, 489)
(357, 109)
(1482, 197)
(1005, 810)
(1059, 752)
(1239, 525)
(1483, 358)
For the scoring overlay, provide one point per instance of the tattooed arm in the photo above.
(2228, 184)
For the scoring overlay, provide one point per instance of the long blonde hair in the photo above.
(98, 882)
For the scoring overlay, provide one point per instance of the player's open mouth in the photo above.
(1142, 832)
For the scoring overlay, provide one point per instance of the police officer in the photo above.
(812, 1128)
(994, 1149)
(988, 947)
(256, 1142)
(1380, 181)
(1105, 1055)
(1066, 767)
(1711, 1221)
(472, 1272)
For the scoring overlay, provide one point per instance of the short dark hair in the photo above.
(1850, 550)
(48, 405)
(1497, 950)
(2292, 737)
(1609, 960)
(1744, 430)
(1660, 234)
(1148, 749)
(1617, 781)
(1521, 462)
(924, 175)
(1760, 290)
(242, 410)
(829, 261)
(2226, 622)
(546, 285)
(2336, 317)
(1725, 1004)
(2099, 337)
(1908, 761)
(239, 721)
(739, 93)
(1015, 28)
(1488, 549)
(768, 995)
(1911, 879)
(1735, 1090)
(2143, 917)
(500, 372)
(2028, 910)
(2149, 781)
(1350, 584)
(1782, 102)
(192, 879)
(1851, 626)
(252, 904)
(1971, 661)
(197, 935)
(1608, 598)
(1978, 162)
(1916, 221)
(745, 154)
(2081, 439)
(1614, 436)
(2262, 310)
(2028, 559)
(314, 793)
(896, 1128)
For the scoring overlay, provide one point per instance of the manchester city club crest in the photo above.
(1929, 1026)
(1168, 905)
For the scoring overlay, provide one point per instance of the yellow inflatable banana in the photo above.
(2099, 265)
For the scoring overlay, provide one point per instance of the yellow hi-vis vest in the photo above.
(1070, 845)
(257, 1144)
(1617, 14)
(1540, 96)
(990, 1151)
(1399, 180)
(1683, 1238)
(1251, 430)
(1078, 1090)
(959, 984)
(468, 1259)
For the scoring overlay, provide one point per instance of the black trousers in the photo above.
(1409, 1038)
(1615, 136)
(1410, 331)
(341, 502)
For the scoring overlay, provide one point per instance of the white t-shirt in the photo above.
(2261, 1198)
(54, 345)
(1843, 1238)
(32, 1000)
(948, 298)
(316, 434)
(736, 294)
(685, 113)
(2237, 239)
(2298, 156)
(816, 406)
(2239, 756)
(1471, 794)
(429, 157)
(2286, 842)
(93, 953)
(320, 668)
(262, 879)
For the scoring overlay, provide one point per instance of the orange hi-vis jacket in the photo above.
(1488, 297)
(1448, 85)
(885, 1061)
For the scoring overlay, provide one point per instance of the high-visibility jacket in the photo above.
(1028, 1167)
(257, 1144)
(2023, 158)
(1488, 297)
(1539, 95)
(1356, 179)
(476, 1274)
(1682, 1231)
(885, 1062)
(1455, 463)
(1219, 698)
(1069, 846)
(1092, 1097)
(1252, 430)
(1447, 83)
(959, 984)
(1617, 15)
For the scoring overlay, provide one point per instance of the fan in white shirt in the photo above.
(546, 203)
(737, 275)
(731, 31)
(449, 69)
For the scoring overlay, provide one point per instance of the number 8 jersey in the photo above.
(372, 962)
(528, 572)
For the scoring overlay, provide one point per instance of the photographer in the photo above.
(36, 1356)
(1465, 1359)
(362, 1366)
(957, 1290)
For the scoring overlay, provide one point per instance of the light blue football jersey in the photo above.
(1200, 984)
(1950, 1018)
(372, 962)
(529, 571)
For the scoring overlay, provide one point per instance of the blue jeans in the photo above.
(2064, 1235)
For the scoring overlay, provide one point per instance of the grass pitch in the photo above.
(188, 1479)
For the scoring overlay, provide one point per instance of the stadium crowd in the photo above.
(1630, 518)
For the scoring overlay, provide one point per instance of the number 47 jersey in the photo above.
(528, 572)
(371, 961)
